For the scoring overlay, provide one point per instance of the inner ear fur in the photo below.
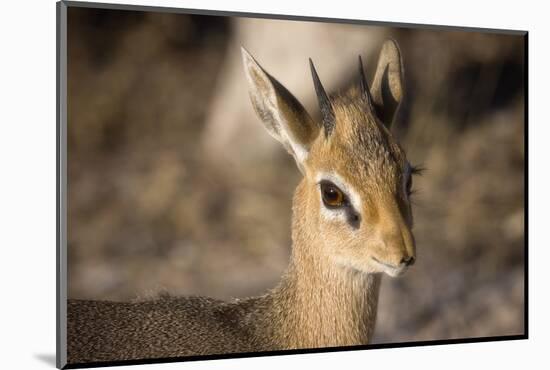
(281, 113)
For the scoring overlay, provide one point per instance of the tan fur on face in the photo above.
(364, 154)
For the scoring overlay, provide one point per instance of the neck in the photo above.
(324, 304)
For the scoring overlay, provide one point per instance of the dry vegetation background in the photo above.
(148, 212)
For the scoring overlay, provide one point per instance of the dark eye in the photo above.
(332, 196)
(414, 170)
(409, 185)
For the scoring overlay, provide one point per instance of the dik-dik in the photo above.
(351, 222)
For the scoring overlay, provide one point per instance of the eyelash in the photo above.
(415, 170)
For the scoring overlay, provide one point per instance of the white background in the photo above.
(27, 184)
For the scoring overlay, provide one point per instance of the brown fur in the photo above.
(329, 293)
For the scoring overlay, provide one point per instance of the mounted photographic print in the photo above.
(235, 184)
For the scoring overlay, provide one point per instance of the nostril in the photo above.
(409, 261)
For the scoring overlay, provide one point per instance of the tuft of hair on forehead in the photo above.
(351, 104)
(356, 118)
(371, 147)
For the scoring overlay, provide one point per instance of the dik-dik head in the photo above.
(355, 196)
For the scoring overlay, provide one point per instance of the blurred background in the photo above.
(173, 185)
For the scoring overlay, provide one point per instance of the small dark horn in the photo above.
(365, 90)
(325, 106)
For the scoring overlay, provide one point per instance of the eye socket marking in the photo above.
(336, 199)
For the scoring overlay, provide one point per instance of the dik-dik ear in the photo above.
(387, 86)
(282, 114)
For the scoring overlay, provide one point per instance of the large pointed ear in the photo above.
(387, 86)
(282, 114)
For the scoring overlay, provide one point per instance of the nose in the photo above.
(407, 261)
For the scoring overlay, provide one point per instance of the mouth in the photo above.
(389, 269)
